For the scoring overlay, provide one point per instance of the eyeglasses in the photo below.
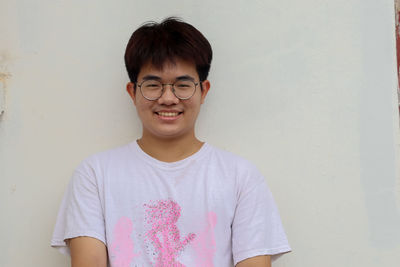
(153, 89)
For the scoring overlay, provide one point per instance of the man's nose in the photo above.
(168, 97)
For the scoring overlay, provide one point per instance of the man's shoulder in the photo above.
(236, 167)
(232, 159)
(115, 154)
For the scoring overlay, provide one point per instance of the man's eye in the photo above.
(183, 85)
(152, 85)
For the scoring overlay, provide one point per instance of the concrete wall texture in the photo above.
(304, 89)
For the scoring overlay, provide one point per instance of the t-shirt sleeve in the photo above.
(257, 228)
(81, 212)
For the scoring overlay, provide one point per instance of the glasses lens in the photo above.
(184, 89)
(151, 89)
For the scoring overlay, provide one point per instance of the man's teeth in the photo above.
(168, 114)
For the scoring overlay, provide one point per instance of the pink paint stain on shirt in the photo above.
(122, 247)
(205, 245)
(162, 217)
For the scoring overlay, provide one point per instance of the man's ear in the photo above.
(205, 85)
(131, 89)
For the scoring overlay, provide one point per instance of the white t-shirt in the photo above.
(210, 209)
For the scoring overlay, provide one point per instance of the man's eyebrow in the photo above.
(185, 77)
(179, 78)
(151, 77)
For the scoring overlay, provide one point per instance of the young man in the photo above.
(168, 199)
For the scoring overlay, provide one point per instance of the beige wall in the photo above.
(305, 89)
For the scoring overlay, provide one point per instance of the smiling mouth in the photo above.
(169, 114)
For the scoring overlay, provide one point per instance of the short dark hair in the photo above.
(158, 43)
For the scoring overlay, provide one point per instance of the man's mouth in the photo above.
(168, 114)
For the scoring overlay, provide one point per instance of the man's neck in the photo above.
(169, 150)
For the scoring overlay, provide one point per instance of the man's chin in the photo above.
(168, 134)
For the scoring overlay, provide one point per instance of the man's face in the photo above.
(168, 116)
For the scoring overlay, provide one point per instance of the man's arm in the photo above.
(87, 252)
(259, 261)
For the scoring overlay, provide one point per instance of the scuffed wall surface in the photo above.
(397, 11)
(4, 76)
(7, 54)
(306, 90)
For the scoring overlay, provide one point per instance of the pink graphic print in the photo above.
(205, 245)
(164, 234)
(122, 246)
